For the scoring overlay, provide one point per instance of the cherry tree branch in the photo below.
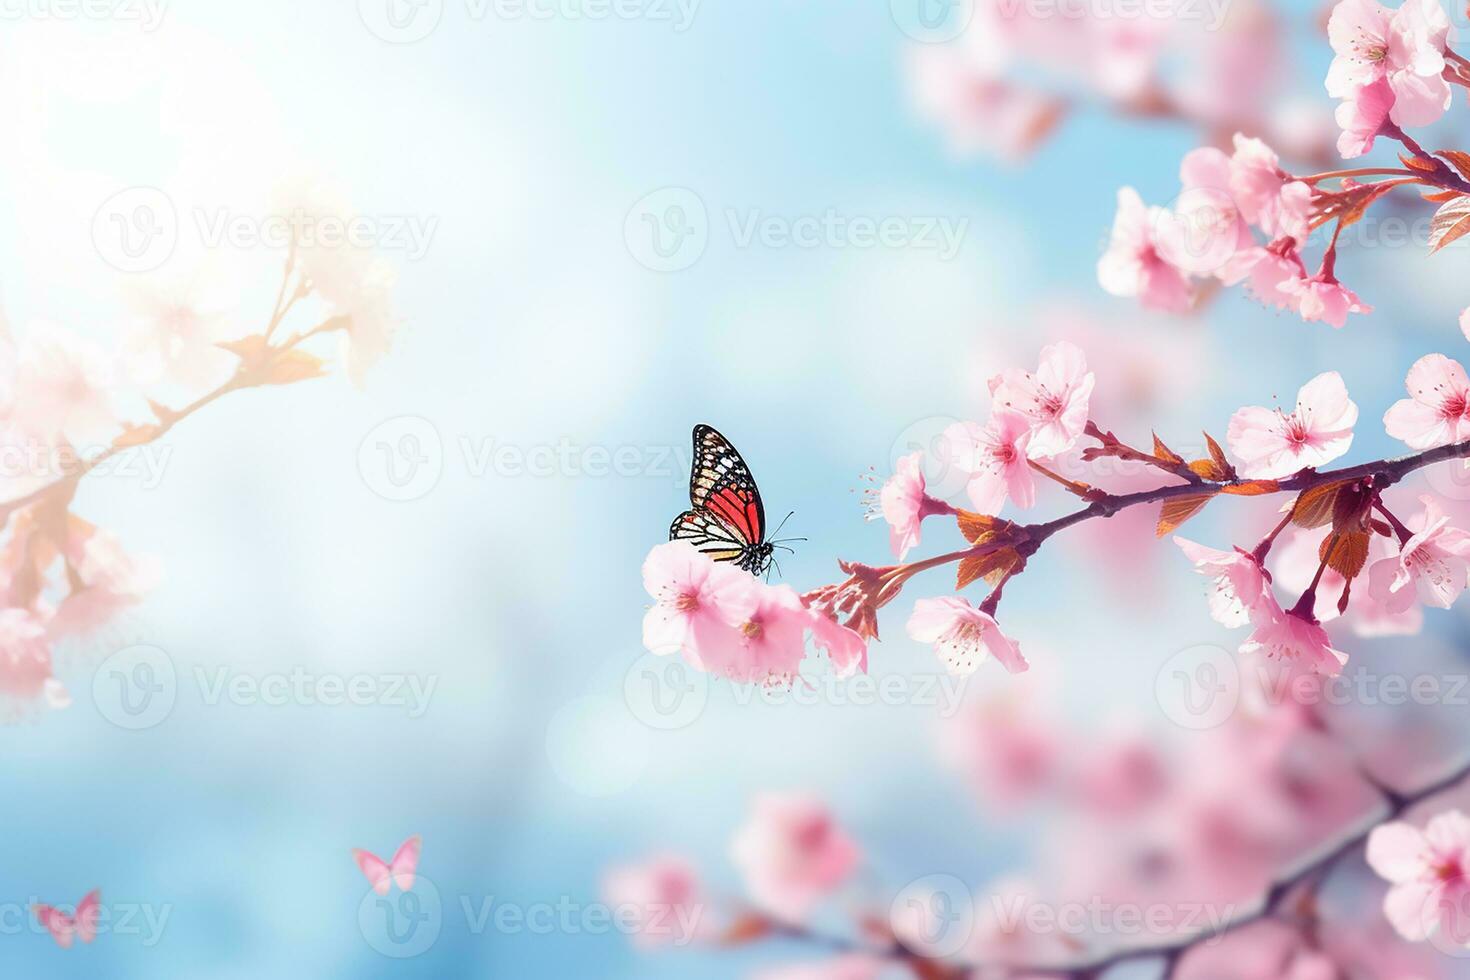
(1169, 953)
(869, 587)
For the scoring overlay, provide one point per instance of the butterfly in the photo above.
(728, 518)
(65, 928)
(383, 876)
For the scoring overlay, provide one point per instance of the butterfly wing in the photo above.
(88, 912)
(58, 923)
(701, 529)
(406, 862)
(721, 485)
(374, 870)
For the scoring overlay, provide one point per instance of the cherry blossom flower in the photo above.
(1240, 587)
(767, 647)
(978, 109)
(994, 457)
(108, 580)
(1009, 747)
(1054, 399)
(904, 504)
(1403, 49)
(962, 635)
(1430, 875)
(690, 589)
(1297, 559)
(1437, 411)
(665, 896)
(1322, 297)
(1135, 263)
(1205, 227)
(1433, 565)
(1265, 197)
(25, 654)
(1294, 639)
(845, 647)
(792, 854)
(1266, 273)
(1272, 444)
(1465, 322)
(173, 333)
(63, 385)
(1361, 118)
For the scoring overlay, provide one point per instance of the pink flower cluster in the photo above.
(791, 855)
(726, 621)
(1157, 254)
(1429, 870)
(1388, 68)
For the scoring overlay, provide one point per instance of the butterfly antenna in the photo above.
(768, 569)
(783, 548)
(779, 540)
(783, 522)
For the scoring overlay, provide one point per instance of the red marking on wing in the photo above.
(737, 509)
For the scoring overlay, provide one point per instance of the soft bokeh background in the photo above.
(531, 323)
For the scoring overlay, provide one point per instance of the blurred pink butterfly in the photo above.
(64, 928)
(398, 872)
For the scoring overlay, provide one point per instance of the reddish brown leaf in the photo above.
(1450, 222)
(989, 566)
(1313, 507)
(1208, 469)
(1459, 159)
(1218, 455)
(1439, 197)
(246, 348)
(1165, 454)
(1418, 163)
(289, 366)
(1177, 510)
(976, 527)
(1252, 488)
(1345, 552)
(746, 928)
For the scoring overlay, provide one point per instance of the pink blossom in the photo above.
(1322, 297)
(904, 504)
(1361, 118)
(1268, 200)
(845, 647)
(1240, 588)
(1299, 556)
(1465, 322)
(1295, 639)
(767, 647)
(978, 109)
(1430, 874)
(1437, 411)
(1135, 263)
(1205, 227)
(25, 654)
(1272, 444)
(665, 896)
(108, 580)
(1009, 747)
(1433, 564)
(1403, 50)
(1265, 273)
(63, 385)
(962, 635)
(994, 457)
(690, 589)
(1054, 399)
(792, 854)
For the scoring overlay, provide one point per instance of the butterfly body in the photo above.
(727, 519)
